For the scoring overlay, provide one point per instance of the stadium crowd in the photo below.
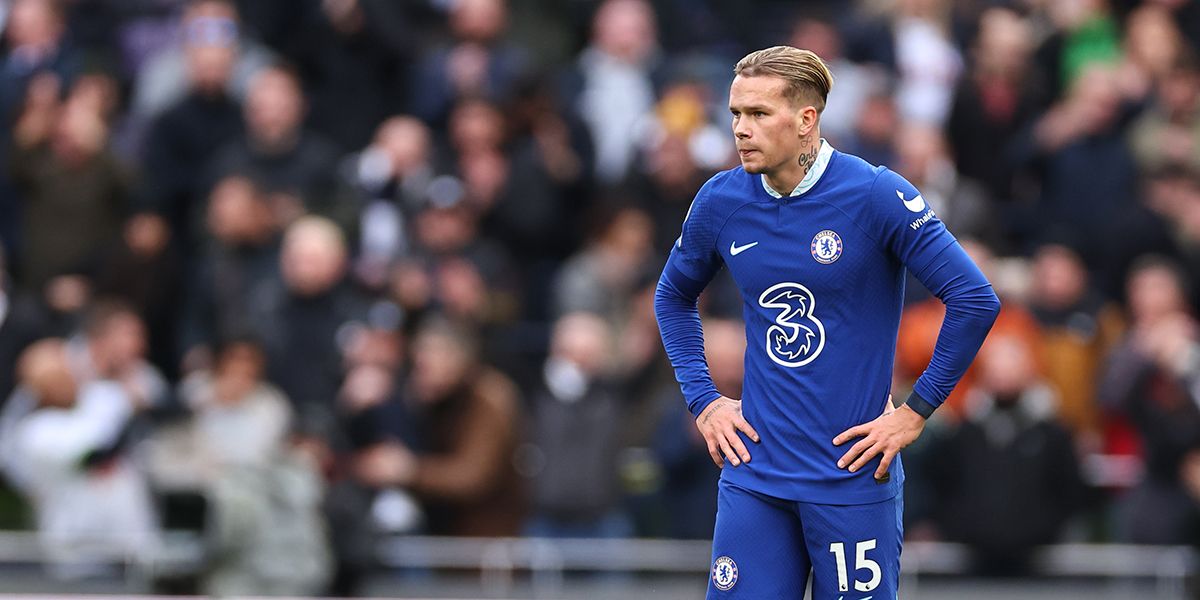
(301, 274)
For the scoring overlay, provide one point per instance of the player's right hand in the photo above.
(719, 424)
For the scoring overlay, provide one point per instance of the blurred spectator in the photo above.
(75, 191)
(111, 346)
(875, 130)
(1152, 47)
(353, 57)
(1008, 478)
(293, 166)
(91, 502)
(666, 185)
(476, 63)
(239, 419)
(1089, 173)
(142, 268)
(35, 43)
(21, 323)
(464, 475)
(689, 487)
(187, 136)
(616, 85)
(373, 411)
(453, 268)
(392, 176)
(264, 522)
(1079, 328)
(505, 182)
(1002, 90)
(1168, 133)
(855, 82)
(302, 318)
(601, 277)
(576, 437)
(1151, 379)
(928, 64)
(922, 159)
(1085, 34)
(242, 252)
(210, 28)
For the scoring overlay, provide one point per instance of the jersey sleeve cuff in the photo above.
(920, 405)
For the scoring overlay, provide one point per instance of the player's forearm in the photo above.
(971, 309)
(683, 337)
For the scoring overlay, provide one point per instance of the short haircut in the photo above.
(807, 76)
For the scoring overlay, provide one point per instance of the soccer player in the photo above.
(818, 243)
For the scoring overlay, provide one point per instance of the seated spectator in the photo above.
(577, 431)
(242, 251)
(21, 324)
(616, 83)
(293, 166)
(91, 503)
(300, 316)
(392, 177)
(34, 42)
(463, 474)
(602, 276)
(1151, 380)
(1008, 478)
(264, 518)
(162, 79)
(477, 62)
(1079, 328)
(75, 190)
(189, 132)
(112, 347)
(1168, 132)
(355, 57)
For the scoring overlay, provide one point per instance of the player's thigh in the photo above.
(855, 549)
(758, 548)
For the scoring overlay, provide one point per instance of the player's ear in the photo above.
(806, 120)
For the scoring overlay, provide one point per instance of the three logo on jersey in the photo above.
(797, 336)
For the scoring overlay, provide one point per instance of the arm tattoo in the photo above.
(708, 415)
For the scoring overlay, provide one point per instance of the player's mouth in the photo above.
(746, 151)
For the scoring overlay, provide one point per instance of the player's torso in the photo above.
(812, 279)
(821, 301)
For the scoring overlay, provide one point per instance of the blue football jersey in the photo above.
(821, 274)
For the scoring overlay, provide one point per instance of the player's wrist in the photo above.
(919, 405)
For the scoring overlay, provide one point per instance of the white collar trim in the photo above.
(811, 178)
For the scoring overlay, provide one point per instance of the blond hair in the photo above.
(807, 76)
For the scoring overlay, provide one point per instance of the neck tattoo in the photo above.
(807, 158)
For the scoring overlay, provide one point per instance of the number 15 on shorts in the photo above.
(861, 562)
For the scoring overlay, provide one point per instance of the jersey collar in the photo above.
(811, 178)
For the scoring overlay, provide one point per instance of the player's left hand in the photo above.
(895, 429)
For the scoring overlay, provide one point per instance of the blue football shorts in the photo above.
(764, 548)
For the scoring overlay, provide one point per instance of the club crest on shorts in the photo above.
(724, 573)
(826, 246)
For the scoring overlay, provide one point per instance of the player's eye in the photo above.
(759, 114)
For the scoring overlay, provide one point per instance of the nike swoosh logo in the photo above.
(915, 205)
(735, 249)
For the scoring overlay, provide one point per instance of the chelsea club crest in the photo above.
(724, 573)
(826, 246)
